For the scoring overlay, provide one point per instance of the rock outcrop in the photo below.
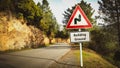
(15, 34)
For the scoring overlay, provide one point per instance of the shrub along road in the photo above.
(35, 58)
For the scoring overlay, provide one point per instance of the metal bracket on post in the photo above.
(81, 58)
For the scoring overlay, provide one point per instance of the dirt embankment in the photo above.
(15, 34)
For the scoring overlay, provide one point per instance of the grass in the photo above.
(92, 60)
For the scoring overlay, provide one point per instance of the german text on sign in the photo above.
(79, 36)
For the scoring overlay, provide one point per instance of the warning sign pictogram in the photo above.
(78, 19)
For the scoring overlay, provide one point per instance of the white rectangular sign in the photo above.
(79, 37)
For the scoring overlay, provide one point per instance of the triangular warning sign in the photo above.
(78, 19)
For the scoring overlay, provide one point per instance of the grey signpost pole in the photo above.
(81, 58)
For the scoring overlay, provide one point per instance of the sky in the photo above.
(59, 6)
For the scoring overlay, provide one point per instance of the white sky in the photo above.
(59, 6)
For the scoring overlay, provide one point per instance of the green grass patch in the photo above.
(92, 60)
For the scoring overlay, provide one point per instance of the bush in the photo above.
(102, 42)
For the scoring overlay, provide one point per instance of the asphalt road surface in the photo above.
(35, 58)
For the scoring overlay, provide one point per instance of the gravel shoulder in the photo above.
(67, 61)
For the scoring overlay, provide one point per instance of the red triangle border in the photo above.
(78, 8)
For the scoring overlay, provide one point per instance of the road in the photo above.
(34, 58)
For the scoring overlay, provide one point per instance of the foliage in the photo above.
(102, 41)
(30, 11)
(110, 33)
(6, 5)
(62, 34)
(26, 9)
(109, 10)
(48, 23)
(38, 15)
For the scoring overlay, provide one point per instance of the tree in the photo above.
(6, 5)
(62, 34)
(48, 23)
(30, 11)
(110, 13)
(26, 9)
(39, 5)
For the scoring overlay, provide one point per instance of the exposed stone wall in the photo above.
(14, 34)
(60, 40)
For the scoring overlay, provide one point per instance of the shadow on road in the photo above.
(64, 47)
(4, 65)
(59, 47)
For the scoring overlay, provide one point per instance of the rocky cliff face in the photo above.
(15, 34)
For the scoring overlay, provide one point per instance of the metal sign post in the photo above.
(81, 58)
